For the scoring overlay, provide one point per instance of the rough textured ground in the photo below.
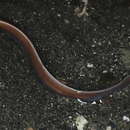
(87, 53)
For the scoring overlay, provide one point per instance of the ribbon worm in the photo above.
(50, 80)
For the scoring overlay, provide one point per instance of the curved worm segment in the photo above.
(49, 79)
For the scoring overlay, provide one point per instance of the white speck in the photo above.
(115, 60)
(110, 95)
(51, 104)
(94, 40)
(59, 15)
(66, 21)
(100, 101)
(94, 28)
(111, 69)
(70, 117)
(82, 75)
(112, 54)
(81, 122)
(109, 43)
(104, 71)
(108, 128)
(89, 65)
(93, 102)
(125, 118)
(82, 103)
(3, 105)
(77, 40)
(94, 53)
(52, 8)
(99, 43)
(68, 2)
(34, 13)
(122, 25)
(20, 114)
(93, 45)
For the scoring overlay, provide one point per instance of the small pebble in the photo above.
(89, 65)
(100, 101)
(59, 15)
(81, 122)
(104, 71)
(94, 53)
(82, 102)
(111, 95)
(109, 43)
(93, 45)
(108, 128)
(122, 25)
(99, 43)
(70, 117)
(66, 21)
(125, 118)
(93, 102)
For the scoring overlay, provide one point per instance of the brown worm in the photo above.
(50, 80)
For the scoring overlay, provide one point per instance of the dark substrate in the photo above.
(86, 53)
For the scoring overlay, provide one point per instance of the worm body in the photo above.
(49, 79)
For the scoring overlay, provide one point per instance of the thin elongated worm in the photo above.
(50, 80)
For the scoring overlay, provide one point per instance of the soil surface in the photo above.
(87, 53)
